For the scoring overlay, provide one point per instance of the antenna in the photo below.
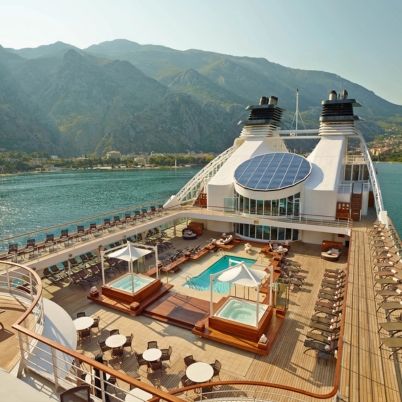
(297, 113)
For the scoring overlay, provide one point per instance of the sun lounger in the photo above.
(326, 320)
(331, 328)
(392, 343)
(390, 307)
(328, 311)
(392, 327)
(383, 282)
(321, 347)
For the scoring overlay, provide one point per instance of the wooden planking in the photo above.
(367, 373)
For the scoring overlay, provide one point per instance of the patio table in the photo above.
(115, 341)
(200, 372)
(152, 354)
(83, 323)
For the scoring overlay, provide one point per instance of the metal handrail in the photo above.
(203, 176)
(379, 205)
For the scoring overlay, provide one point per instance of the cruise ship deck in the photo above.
(365, 373)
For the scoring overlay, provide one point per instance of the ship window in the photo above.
(355, 172)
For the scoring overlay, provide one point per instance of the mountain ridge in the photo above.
(120, 95)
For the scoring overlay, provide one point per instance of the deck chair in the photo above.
(332, 328)
(326, 320)
(328, 311)
(321, 337)
(393, 328)
(386, 293)
(321, 347)
(390, 307)
(392, 343)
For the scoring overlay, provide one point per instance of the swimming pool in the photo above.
(242, 311)
(125, 283)
(201, 282)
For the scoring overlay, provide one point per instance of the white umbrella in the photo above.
(130, 254)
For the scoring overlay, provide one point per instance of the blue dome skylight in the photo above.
(272, 171)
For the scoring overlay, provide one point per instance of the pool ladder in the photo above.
(191, 283)
(221, 252)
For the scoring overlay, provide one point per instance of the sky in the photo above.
(359, 40)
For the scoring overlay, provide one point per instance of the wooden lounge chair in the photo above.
(326, 320)
(390, 307)
(321, 347)
(76, 280)
(332, 328)
(392, 327)
(392, 343)
(320, 337)
(386, 293)
(328, 311)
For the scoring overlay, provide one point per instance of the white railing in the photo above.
(379, 205)
(193, 188)
(345, 188)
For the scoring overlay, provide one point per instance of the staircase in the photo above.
(356, 204)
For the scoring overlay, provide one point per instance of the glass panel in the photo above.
(275, 207)
(246, 230)
(348, 172)
(274, 233)
(296, 208)
(295, 234)
(267, 207)
(252, 207)
(365, 173)
(267, 234)
(260, 207)
(246, 209)
(355, 172)
(252, 231)
(281, 234)
(230, 204)
(258, 234)
(282, 206)
(288, 234)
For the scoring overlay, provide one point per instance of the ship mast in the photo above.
(297, 113)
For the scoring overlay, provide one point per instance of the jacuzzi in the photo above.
(126, 284)
(121, 289)
(238, 316)
(242, 311)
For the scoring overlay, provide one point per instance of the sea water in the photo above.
(31, 202)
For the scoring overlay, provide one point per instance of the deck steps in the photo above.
(178, 309)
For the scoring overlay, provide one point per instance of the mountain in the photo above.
(124, 96)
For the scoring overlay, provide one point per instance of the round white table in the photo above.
(137, 395)
(83, 323)
(115, 341)
(200, 372)
(152, 355)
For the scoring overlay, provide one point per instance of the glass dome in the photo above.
(273, 171)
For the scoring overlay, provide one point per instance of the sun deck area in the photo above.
(366, 374)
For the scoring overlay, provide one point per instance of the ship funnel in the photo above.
(273, 100)
(263, 100)
(332, 95)
(344, 94)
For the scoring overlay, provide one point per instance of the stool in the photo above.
(323, 355)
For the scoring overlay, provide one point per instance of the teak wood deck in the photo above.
(366, 372)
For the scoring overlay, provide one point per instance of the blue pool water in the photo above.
(201, 282)
(125, 283)
(241, 311)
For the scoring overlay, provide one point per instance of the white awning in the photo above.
(241, 275)
(129, 253)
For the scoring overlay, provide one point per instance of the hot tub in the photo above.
(125, 283)
(242, 311)
(238, 316)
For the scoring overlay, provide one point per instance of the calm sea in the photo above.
(30, 202)
(36, 201)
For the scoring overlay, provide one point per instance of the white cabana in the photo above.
(241, 275)
(130, 254)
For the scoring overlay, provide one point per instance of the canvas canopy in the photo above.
(129, 253)
(241, 275)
